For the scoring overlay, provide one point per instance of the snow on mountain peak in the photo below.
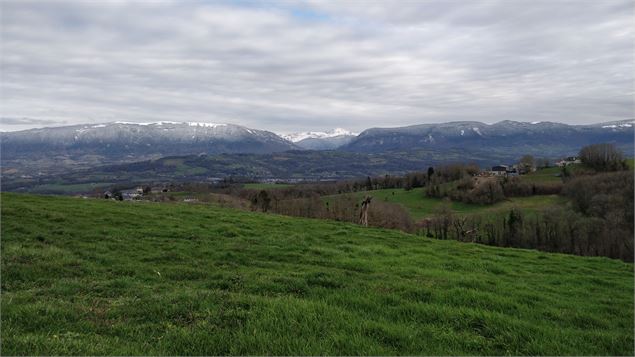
(623, 125)
(207, 125)
(295, 137)
(147, 123)
(191, 123)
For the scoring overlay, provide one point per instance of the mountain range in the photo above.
(56, 149)
(53, 151)
(545, 139)
(140, 139)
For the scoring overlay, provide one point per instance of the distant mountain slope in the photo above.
(513, 138)
(294, 164)
(123, 142)
(39, 153)
(328, 140)
(325, 143)
(124, 138)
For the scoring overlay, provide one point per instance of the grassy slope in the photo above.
(104, 277)
(550, 174)
(265, 186)
(420, 206)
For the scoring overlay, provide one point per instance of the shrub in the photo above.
(390, 215)
(488, 192)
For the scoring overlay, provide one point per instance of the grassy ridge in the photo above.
(103, 277)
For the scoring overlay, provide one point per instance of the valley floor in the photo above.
(95, 277)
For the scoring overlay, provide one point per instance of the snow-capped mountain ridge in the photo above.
(507, 136)
(162, 122)
(623, 125)
(201, 130)
(119, 141)
(296, 137)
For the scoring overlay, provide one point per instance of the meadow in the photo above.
(550, 174)
(93, 277)
(419, 205)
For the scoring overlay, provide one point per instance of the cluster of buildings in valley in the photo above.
(519, 169)
(134, 193)
(569, 161)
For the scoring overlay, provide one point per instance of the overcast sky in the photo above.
(290, 66)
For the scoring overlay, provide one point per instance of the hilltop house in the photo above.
(499, 170)
(504, 170)
(568, 161)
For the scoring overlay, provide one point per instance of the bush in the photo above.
(604, 195)
(516, 187)
(390, 215)
(488, 192)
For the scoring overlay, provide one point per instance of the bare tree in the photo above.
(603, 157)
(363, 214)
(527, 163)
(459, 224)
(443, 217)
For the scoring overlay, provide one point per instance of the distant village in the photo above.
(520, 169)
(134, 194)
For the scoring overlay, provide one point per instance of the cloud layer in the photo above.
(287, 67)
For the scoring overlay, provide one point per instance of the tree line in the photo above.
(598, 222)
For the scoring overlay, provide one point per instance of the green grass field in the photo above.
(421, 206)
(94, 277)
(550, 174)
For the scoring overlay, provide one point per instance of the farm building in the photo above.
(568, 161)
(499, 170)
(131, 194)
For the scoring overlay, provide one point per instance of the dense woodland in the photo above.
(598, 221)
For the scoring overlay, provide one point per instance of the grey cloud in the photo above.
(346, 64)
(30, 121)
